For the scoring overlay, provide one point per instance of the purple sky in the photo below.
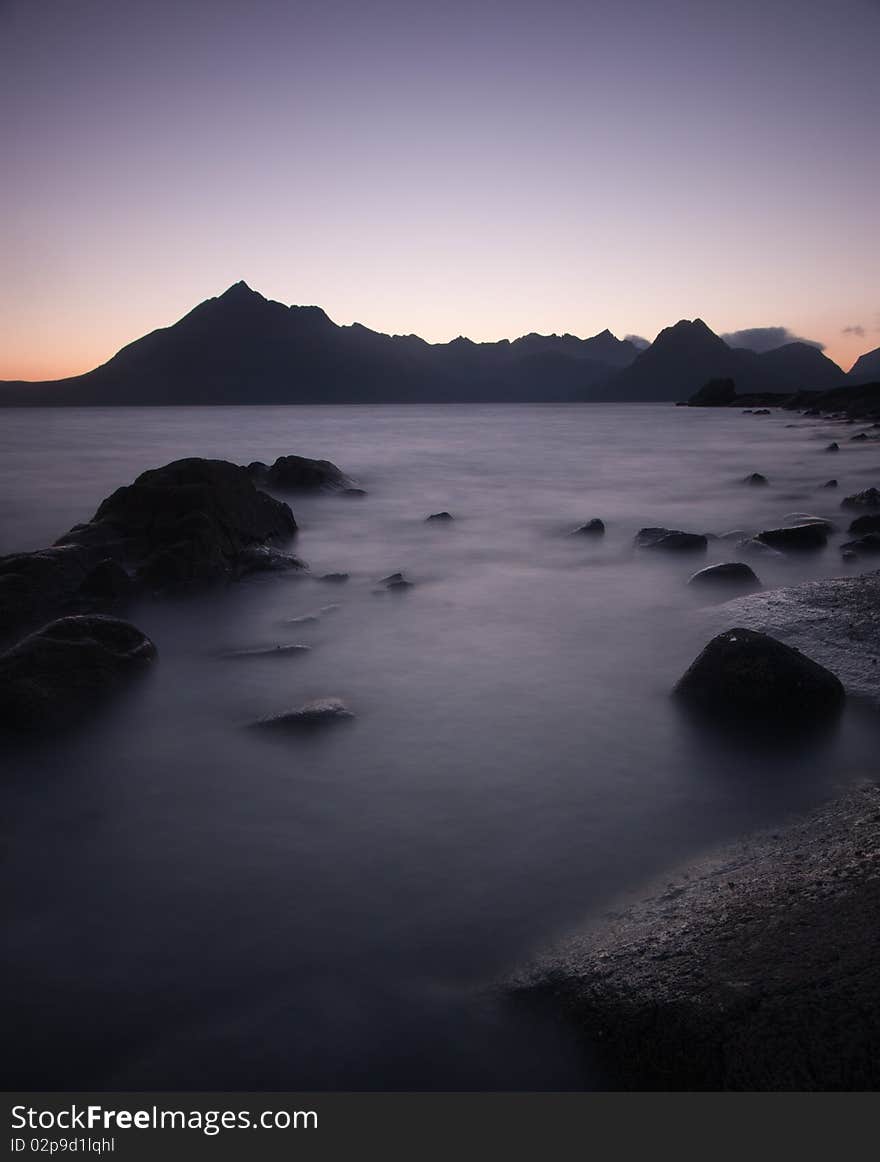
(486, 168)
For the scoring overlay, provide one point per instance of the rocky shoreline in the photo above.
(754, 968)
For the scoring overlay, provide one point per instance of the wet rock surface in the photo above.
(755, 968)
(66, 670)
(318, 713)
(300, 474)
(726, 576)
(745, 675)
(836, 622)
(593, 528)
(811, 534)
(673, 540)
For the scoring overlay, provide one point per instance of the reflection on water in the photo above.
(192, 904)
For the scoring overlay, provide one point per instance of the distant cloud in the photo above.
(638, 341)
(854, 329)
(761, 339)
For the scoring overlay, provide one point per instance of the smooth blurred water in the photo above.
(193, 905)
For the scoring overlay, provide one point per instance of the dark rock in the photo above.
(754, 547)
(807, 518)
(59, 674)
(279, 651)
(868, 498)
(864, 546)
(715, 393)
(593, 528)
(833, 447)
(263, 559)
(395, 583)
(258, 470)
(795, 537)
(749, 675)
(354, 492)
(441, 516)
(106, 585)
(830, 484)
(755, 478)
(869, 523)
(731, 574)
(35, 587)
(671, 539)
(335, 578)
(320, 712)
(860, 437)
(761, 412)
(299, 474)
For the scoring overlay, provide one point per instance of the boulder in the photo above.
(729, 575)
(441, 516)
(868, 498)
(794, 538)
(670, 539)
(830, 484)
(395, 583)
(317, 713)
(833, 447)
(755, 479)
(755, 548)
(869, 523)
(278, 651)
(264, 559)
(807, 518)
(299, 474)
(593, 528)
(65, 670)
(864, 546)
(335, 578)
(749, 675)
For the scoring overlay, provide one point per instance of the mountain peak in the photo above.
(239, 290)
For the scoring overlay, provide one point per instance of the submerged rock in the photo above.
(867, 545)
(869, 523)
(300, 474)
(593, 528)
(65, 670)
(279, 651)
(730, 574)
(335, 578)
(756, 478)
(395, 582)
(868, 498)
(670, 539)
(833, 447)
(811, 535)
(319, 712)
(830, 484)
(441, 516)
(749, 675)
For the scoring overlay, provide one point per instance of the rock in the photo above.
(303, 619)
(714, 393)
(65, 670)
(756, 479)
(35, 587)
(868, 498)
(751, 968)
(441, 516)
(849, 556)
(860, 437)
(755, 548)
(320, 712)
(299, 474)
(830, 484)
(864, 546)
(795, 538)
(749, 675)
(190, 521)
(761, 412)
(279, 651)
(728, 575)
(671, 539)
(106, 584)
(833, 447)
(394, 583)
(834, 621)
(869, 523)
(354, 492)
(593, 528)
(263, 559)
(257, 470)
(807, 518)
(335, 578)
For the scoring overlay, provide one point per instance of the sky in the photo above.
(487, 168)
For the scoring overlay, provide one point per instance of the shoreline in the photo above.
(755, 967)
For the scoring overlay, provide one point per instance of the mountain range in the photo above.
(241, 348)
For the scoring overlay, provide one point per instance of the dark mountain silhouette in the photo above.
(866, 368)
(241, 348)
(684, 357)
